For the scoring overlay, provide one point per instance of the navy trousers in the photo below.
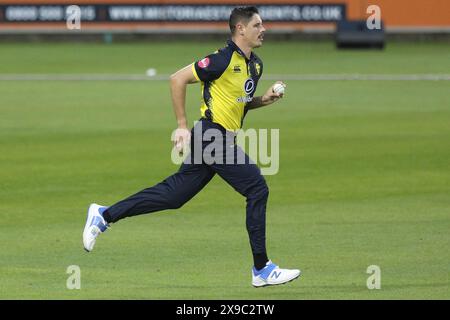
(236, 168)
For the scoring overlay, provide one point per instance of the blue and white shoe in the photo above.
(95, 224)
(272, 275)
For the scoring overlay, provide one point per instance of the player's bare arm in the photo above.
(178, 83)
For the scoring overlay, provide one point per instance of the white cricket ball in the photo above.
(278, 88)
(151, 72)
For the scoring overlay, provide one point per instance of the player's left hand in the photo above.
(271, 96)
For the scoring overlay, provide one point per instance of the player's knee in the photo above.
(260, 191)
(175, 204)
(264, 191)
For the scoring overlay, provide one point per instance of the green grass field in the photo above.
(364, 177)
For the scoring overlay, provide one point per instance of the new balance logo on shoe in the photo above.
(276, 274)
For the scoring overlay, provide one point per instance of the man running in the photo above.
(229, 78)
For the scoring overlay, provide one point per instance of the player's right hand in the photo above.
(181, 139)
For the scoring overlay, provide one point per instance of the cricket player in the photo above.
(228, 81)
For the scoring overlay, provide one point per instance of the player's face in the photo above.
(254, 31)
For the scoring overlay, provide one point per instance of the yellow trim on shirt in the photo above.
(194, 72)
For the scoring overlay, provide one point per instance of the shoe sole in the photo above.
(277, 284)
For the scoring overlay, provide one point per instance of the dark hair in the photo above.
(241, 14)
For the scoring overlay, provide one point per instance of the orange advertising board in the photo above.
(212, 15)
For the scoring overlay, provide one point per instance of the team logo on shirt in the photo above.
(203, 63)
(237, 68)
(258, 68)
(249, 86)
